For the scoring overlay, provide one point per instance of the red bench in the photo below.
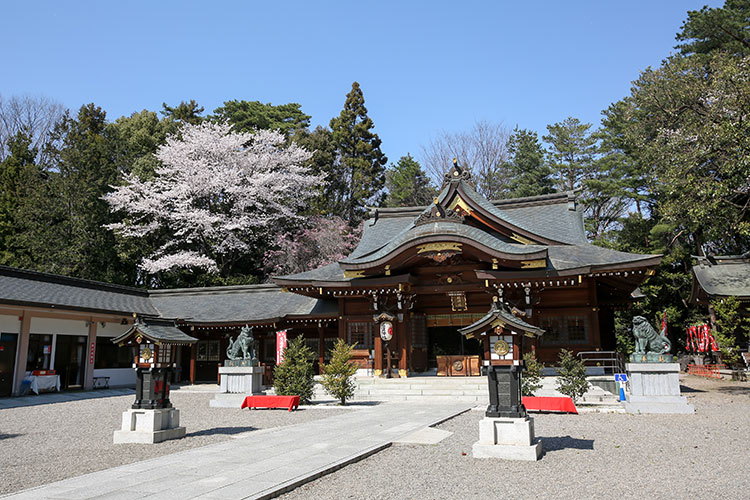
(290, 402)
(564, 404)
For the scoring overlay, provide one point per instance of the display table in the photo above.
(44, 383)
(290, 402)
(563, 404)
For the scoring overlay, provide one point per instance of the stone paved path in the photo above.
(262, 465)
(61, 397)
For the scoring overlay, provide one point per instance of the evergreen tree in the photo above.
(358, 173)
(16, 171)
(571, 153)
(185, 112)
(135, 140)
(337, 375)
(529, 175)
(571, 376)
(322, 162)
(717, 29)
(532, 374)
(247, 116)
(294, 376)
(408, 184)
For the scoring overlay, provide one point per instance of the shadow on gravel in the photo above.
(227, 431)
(684, 388)
(566, 442)
(9, 436)
(734, 389)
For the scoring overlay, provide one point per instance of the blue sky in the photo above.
(424, 67)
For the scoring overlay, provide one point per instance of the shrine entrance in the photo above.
(451, 353)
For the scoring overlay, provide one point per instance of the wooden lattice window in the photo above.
(207, 350)
(560, 330)
(360, 334)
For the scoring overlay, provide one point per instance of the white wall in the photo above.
(10, 324)
(111, 329)
(64, 326)
(118, 377)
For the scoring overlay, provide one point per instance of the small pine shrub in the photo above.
(294, 376)
(571, 378)
(337, 375)
(532, 375)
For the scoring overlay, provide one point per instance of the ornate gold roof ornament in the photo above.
(438, 213)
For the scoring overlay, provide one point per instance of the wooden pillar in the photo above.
(23, 352)
(486, 344)
(596, 339)
(402, 348)
(378, 362)
(321, 348)
(88, 373)
(193, 355)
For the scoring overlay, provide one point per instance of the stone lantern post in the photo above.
(151, 418)
(506, 430)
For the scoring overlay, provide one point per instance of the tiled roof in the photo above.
(500, 312)
(724, 276)
(30, 288)
(237, 304)
(450, 229)
(157, 330)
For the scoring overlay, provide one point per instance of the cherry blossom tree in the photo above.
(216, 196)
(324, 240)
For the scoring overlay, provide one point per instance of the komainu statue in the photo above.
(244, 343)
(649, 341)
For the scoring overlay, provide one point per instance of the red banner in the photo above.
(280, 346)
(91, 353)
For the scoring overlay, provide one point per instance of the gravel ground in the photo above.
(591, 455)
(46, 443)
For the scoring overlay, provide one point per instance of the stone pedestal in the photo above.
(508, 438)
(149, 426)
(655, 388)
(235, 383)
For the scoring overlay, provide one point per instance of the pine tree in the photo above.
(530, 176)
(407, 184)
(294, 376)
(185, 112)
(572, 150)
(571, 376)
(358, 174)
(337, 375)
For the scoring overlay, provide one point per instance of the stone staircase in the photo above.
(452, 389)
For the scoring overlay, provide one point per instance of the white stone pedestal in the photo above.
(149, 426)
(235, 383)
(508, 438)
(655, 388)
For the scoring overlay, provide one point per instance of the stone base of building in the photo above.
(149, 426)
(655, 388)
(241, 379)
(507, 438)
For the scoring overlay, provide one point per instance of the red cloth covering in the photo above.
(291, 402)
(563, 404)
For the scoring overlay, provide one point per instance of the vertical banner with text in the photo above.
(280, 346)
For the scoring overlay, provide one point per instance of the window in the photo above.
(560, 329)
(109, 355)
(40, 351)
(207, 350)
(360, 334)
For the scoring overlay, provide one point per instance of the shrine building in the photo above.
(433, 270)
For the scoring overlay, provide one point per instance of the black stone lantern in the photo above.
(502, 334)
(155, 342)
